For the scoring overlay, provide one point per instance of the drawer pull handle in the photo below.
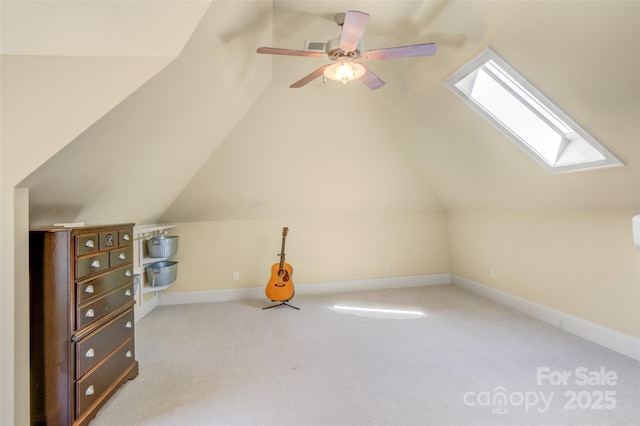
(128, 292)
(122, 256)
(95, 264)
(128, 354)
(127, 273)
(90, 390)
(90, 353)
(126, 237)
(128, 324)
(89, 289)
(89, 244)
(89, 314)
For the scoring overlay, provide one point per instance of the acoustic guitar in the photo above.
(280, 287)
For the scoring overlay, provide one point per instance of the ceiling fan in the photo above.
(346, 48)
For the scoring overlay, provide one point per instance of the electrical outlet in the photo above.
(236, 276)
(492, 274)
(387, 266)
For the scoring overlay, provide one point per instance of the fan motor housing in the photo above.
(335, 53)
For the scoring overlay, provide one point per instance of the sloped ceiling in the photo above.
(204, 140)
(326, 151)
(65, 64)
(130, 164)
(98, 28)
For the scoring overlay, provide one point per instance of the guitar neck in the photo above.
(282, 254)
(284, 236)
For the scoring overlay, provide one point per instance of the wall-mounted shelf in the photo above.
(149, 289)
(151, 229)
(149, 260)
(147, 296)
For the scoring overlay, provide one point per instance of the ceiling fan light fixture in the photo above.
(345, 71)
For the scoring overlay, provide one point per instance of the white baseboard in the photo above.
(611, 339)
(223, 295)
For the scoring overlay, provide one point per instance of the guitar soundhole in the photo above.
(284, 275)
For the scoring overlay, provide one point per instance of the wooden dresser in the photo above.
(81, 320)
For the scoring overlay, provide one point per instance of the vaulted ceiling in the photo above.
(164, 111)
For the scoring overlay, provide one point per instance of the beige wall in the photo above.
(320, 249)
(14, 306)
(582, 262)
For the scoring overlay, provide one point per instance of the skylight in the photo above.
(506, 99)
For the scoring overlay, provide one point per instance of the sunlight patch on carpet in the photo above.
(373, 312)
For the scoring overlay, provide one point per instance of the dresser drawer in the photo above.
(99, 308)
(96, 346)
(108, 240)
(95, 287)
(125, 237)
(87, 243)
(90, 388)
(90, 265)
(120, 256)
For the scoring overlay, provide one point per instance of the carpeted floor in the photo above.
(466, 361)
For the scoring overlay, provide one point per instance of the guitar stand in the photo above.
(281, 304)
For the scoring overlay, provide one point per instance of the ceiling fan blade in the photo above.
(371, 80)
(289, 52)
(309, 78)
(352, 30)
(426, 49)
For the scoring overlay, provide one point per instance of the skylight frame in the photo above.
(544, 109)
